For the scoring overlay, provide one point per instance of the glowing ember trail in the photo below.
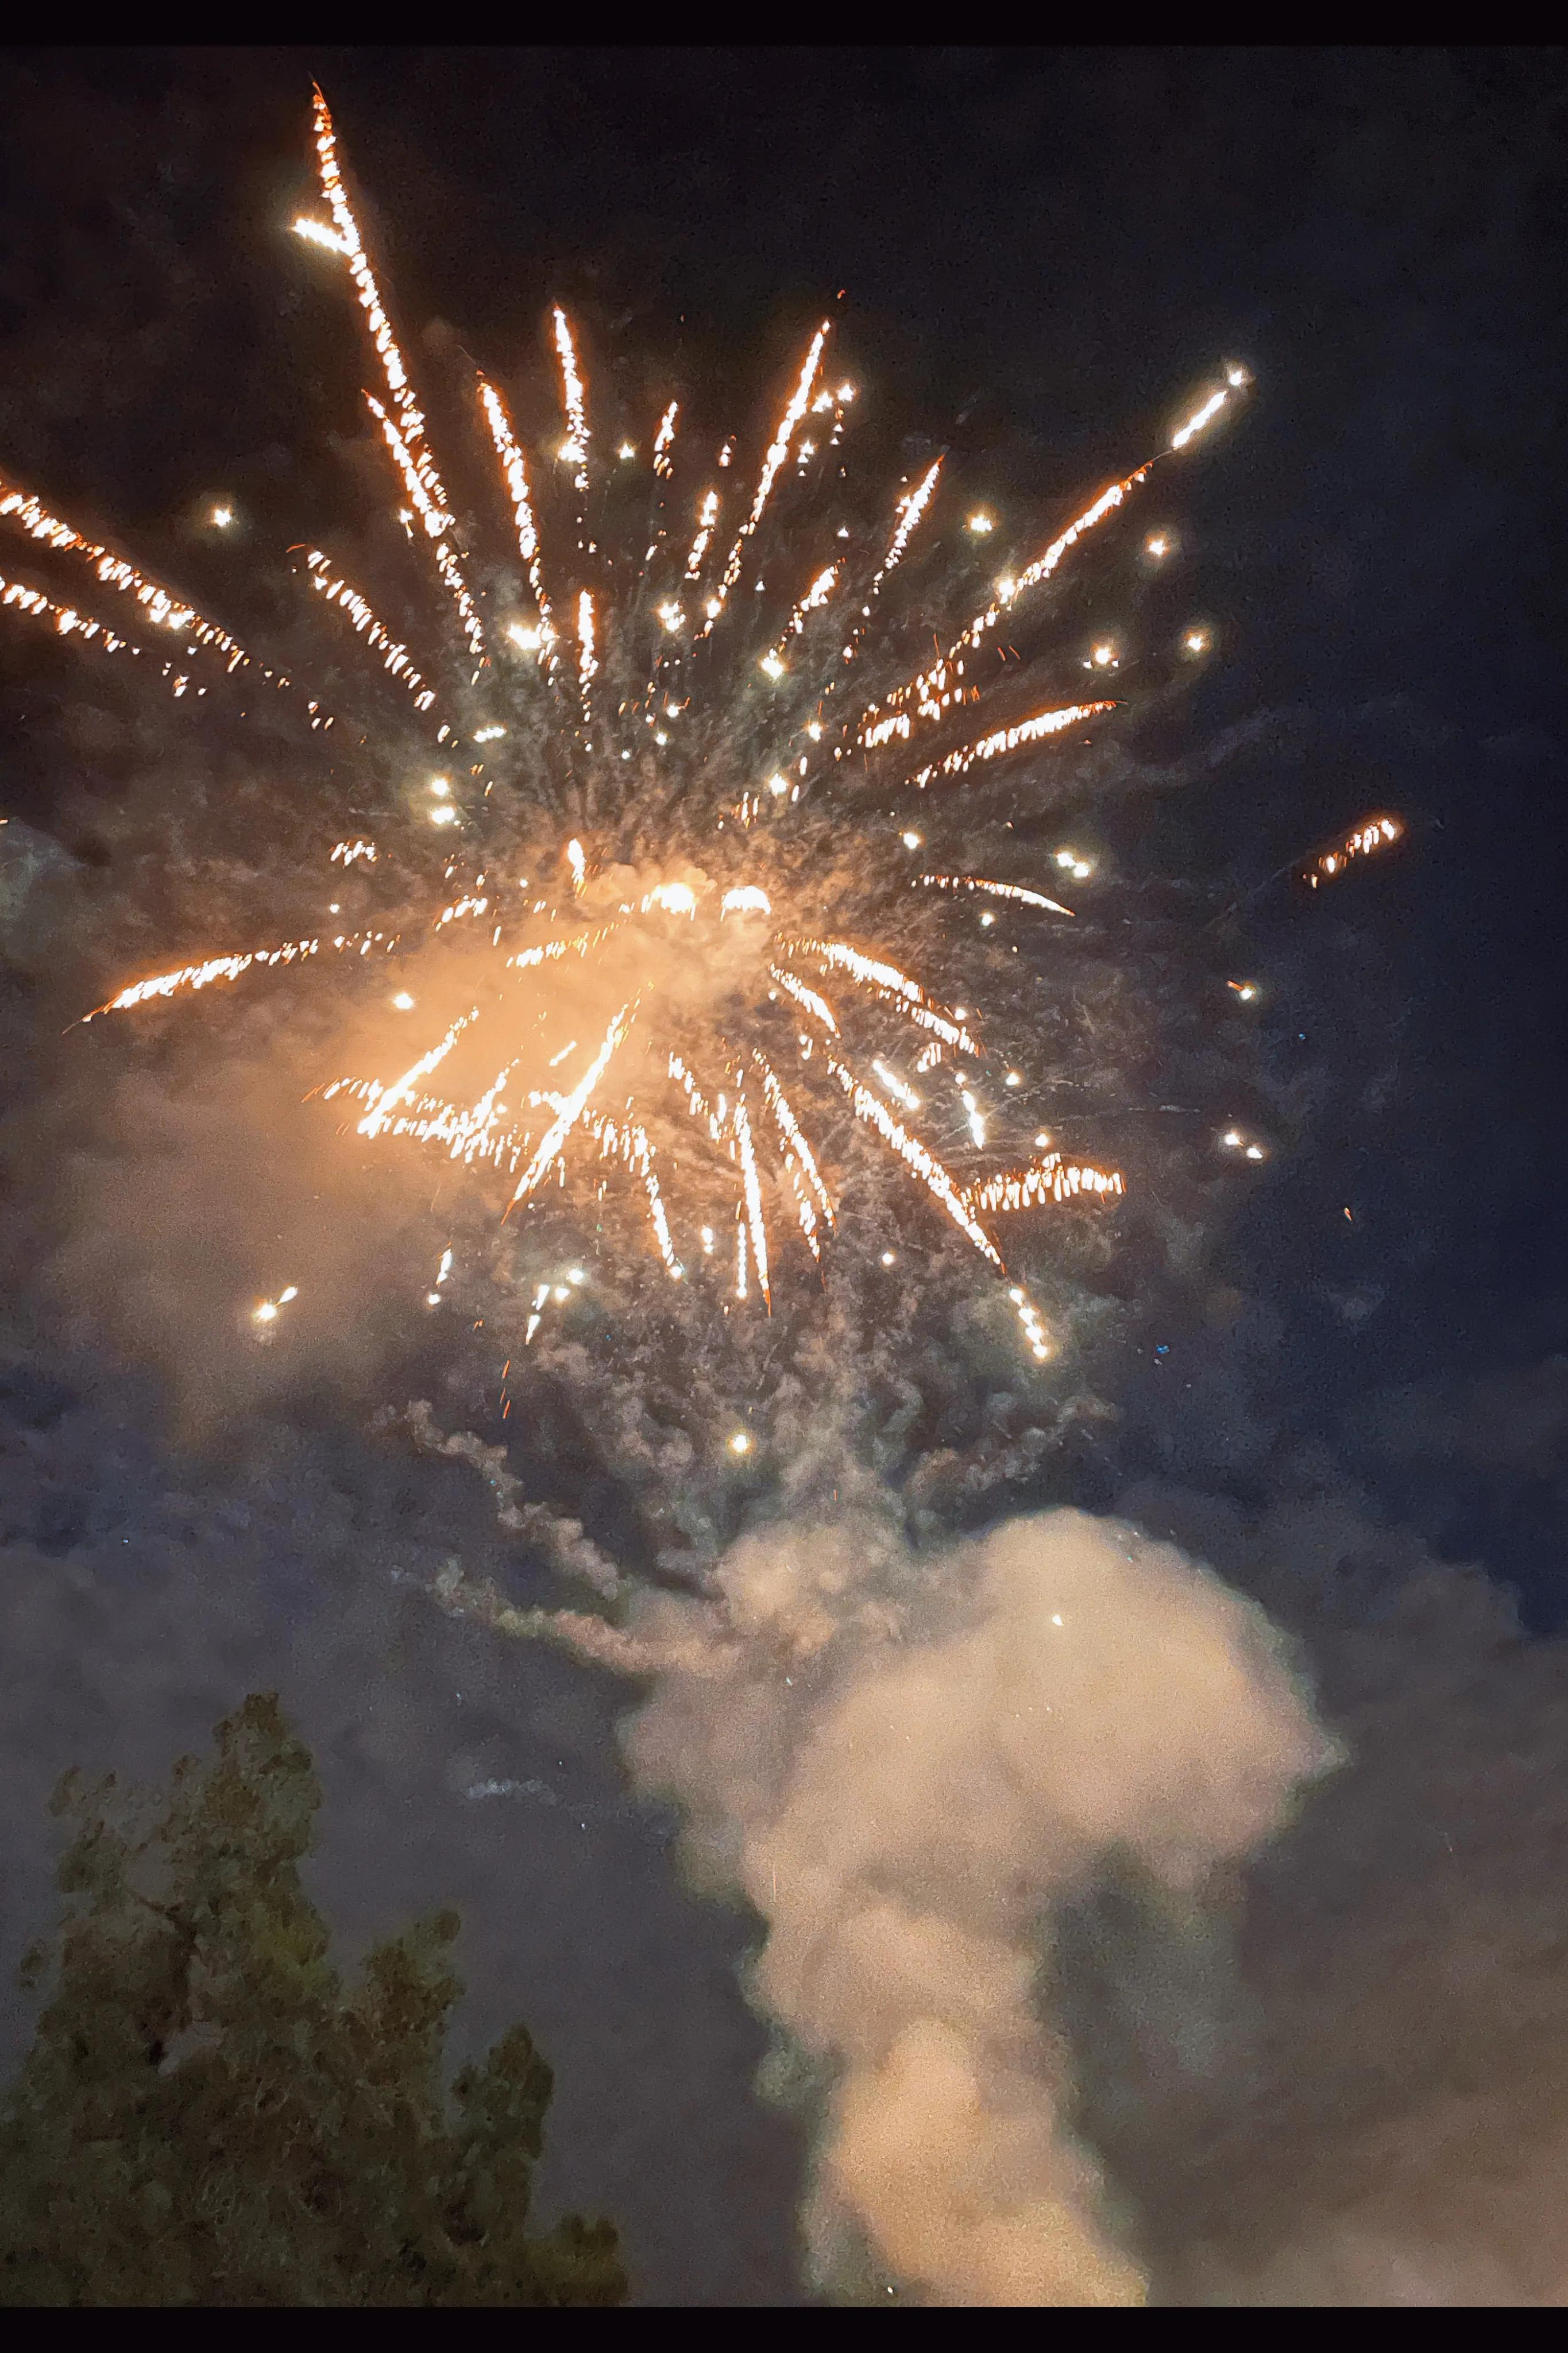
(401, 1089)
(516, 478)
(161, 606)
(393, 656)
(1014, 891)
(778, 452)
(575, 448)
(572, 1108)
(1375, 833)
(920, 1164)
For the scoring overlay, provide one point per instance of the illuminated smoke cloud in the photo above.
(906, 1763)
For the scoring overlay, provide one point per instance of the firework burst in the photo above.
(697, 792)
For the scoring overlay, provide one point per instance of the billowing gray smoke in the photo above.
(908, 1763)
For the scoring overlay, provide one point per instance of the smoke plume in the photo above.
(909, 1765)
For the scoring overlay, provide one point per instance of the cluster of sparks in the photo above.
(1376, 833)
(669, 725)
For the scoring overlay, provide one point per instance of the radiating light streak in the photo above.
(662, 463)
(1034, 729)
(394, 658)
(905, 995)
(631, 1144)
(753, 1199)
(1051, 1178)
(515, 475)
(817, 1007)
(777, 452)
(922, 1164)
(812, 601)
(587, 660)
(316, 232)
(410, 420)
(799, 1159)
(696, 1101)
(14, 596)
(859, 967)
(707, 515)
(436, 521)
(164, 608)
(896, 1086)
(995, 889)
(926, 688)
(572, 1110)
(572, 400)
(1206, 411)
(551, 951)
(410, 428)
(387, 1101)
(229, 967)
(910, 510)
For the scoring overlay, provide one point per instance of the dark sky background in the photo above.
(1046, 245)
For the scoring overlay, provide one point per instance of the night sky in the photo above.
(1361, 1419)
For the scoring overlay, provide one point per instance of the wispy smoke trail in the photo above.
(906, 1762)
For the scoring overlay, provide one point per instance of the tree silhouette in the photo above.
(209, 2114)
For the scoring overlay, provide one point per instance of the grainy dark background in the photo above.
(1041, 244)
